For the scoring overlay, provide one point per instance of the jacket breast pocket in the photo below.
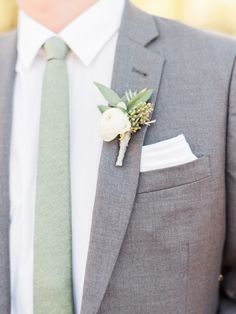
(167, 178)
(175, 205)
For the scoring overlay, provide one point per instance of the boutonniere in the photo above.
(124, 116)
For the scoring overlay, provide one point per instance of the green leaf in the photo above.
(102, 108)
(141, 97)
(136, 97)
(111, 96)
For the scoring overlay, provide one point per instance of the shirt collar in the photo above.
(85, 36)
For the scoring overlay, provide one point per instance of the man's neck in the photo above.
(58, 17)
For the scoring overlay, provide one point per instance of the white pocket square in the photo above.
(169, 153)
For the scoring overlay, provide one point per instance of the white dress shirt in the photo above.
(92, 38)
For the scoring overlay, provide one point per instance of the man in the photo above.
(156, 241)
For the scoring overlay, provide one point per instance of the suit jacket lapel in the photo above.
(136, 67)
(7, 76)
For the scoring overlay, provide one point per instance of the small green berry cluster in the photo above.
(140, 115)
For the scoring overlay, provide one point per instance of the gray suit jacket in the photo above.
(160, 239)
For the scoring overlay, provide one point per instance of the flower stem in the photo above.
(124, 142)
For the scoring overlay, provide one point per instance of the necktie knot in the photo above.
(56, 49)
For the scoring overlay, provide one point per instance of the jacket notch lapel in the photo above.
(135, 68)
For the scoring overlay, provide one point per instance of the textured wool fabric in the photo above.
(7, 75)
(157, 238)
(52, 244)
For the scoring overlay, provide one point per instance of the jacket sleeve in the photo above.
(227, 304)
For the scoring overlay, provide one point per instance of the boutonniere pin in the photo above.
(124, 116)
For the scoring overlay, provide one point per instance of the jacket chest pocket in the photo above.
(175, 176)
(175, 204)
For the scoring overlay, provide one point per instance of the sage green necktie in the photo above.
(52, 240)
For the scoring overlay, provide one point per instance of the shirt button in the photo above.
(220, 278)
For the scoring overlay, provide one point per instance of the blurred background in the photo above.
(217, 15)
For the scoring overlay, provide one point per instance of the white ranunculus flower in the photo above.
(113, 122)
